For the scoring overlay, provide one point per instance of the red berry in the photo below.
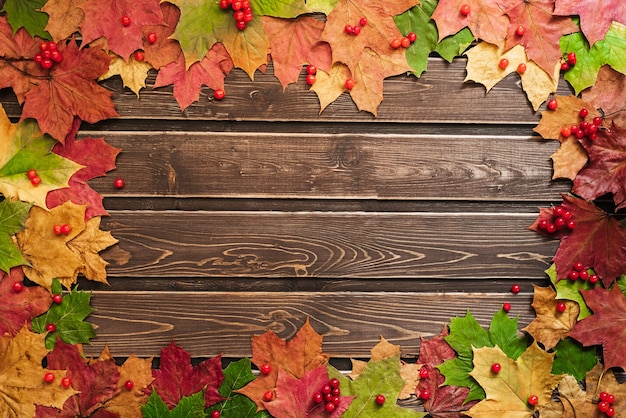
(405, 42)
(604, 396)
(215, 414)
(395, 43)
(533, 400)
(506, 307)
(336, 392)
(125, 21)
(579, 266)
(51, 46)
(520, 30)
(424, 373)
(573, 275)
(597, 120)
(118, 183)
(593, 279)
(610, 398)
(18, 287)
(552, 104)
(56, 56)
(503, 63)
(35, 181)
(559, 222)
(496, 367)
(38, 58)
(66, 382)
(48, 377)
(51, 327)
(139, 56)
(57, 229)
(424, 394)
(571, 224)
(46, 63)
(593, 136)
(349, 84)
(330, 407)
(238, 15)
(571, 58)
(152, 37)
(328, 397)
(66, 229)
(241, 24)
(43, 46)
(31, 174)
(550, 228)
(336, 400)
(363, 21)
(219, 94)
(310, 79)
(311, 69)
(245, 4)
(567, 215)
(583, 275)
(129, 385)
(516, 289)
(318, 397)
(380, 399)
(603, 406)
(610, 412)
(236, 5)
(411, 36)
(356, 30)
(564, 66)
(334, 383)
(46, 54)
(542, 224)
(521, 68)
(266, 369)
(465, 9)
(224, 4)
(348, 29)
(566, 131)
(583, 112)
(58, 299)
(327, 389)
(561, 307)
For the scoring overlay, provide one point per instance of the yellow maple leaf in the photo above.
(22, 384)
(133, 72)
(569, 159)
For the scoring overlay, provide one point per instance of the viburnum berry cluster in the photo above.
(62, 229)
(584, 129)
(34, 178)
(579, 271)
(242, 11)
(48, 55)
(311, 71)
(355, 30)
(328, 396)
(568, 61)
(561, 219)
(404, 42)
(606, 400)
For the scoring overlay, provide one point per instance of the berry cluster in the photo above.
(48, 55)
(329, 395)
(584, 129)
(561, 219)
(242, 11)
(34, 178)
(404, 42)
(311, 71)
(606, 400)
(579, 271)
(63, 229)
(356, 29)
(568, 61)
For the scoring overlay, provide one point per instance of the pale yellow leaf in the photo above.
(133, 72)
(329, 86)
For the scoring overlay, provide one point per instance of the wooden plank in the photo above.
(340, 166)
(211, 323)
(326, 245)
(439, 96)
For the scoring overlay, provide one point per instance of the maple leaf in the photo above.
(418, 20)
(284, 8)
(21, 376)
(466, 334)
(508, 391)
(375, 36)
(445, 401)
(609, 94)
(103, 18)
(21, 307)
(65, 17)
(72, 83)
(68, 318)
(330, 85)
(606, 169)
(598, 241)
(210, 71)
(47, 253)
(570, 290)
(295, 42)
(25, 14)
(296, 356)
(97, 157)
(568, 160)
(483, 67)
(595, 17)
(132, 72)
(486, 19)
(177, 378)
(248, 48)
(23, 147)
(542, 34)
(573, 359)
(189, 407)
(127, 403)
(606, 326)
(550, 326)
(294, 397)
(12, 217)
(165, 50)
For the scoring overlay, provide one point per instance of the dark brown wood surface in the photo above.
(256, 212)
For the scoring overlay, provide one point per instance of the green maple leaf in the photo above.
(25, 14)
(466, 334)
(12, 217)
(418, 20)
(611, 50)
(570, 290)
(279, 8)
(380, 377)
(68, 317)
(321, 6)
(236, 375)
(188, 407)
(574, 359)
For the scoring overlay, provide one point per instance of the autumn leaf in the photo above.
(284, 8)
(609, 94)
(330, 85)
(65, 17)
(132, 72)
(606, 326)
(103, 18)
(68, 318)
(177, 378)
(189, 407)
(165, 50)
(97, 158)
(550, 325)
(126, 402)
(595, 17)
(570, 290)
(573, 359)
(12, 217)
(296, 356)
(21, 376)
(483, 67)
(22, 148)
(543, 31)
(486, 19)
(508, 391)
(20, 307)
(248, 48)
(569, 159)
(71, 82)
(374, 36)
(25, 14)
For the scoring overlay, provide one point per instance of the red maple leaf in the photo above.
(294, 397)
(165, 50)
(295, 42)
(444, 401)
(607, 325)
(104, 18)
(177, 378)
(70, 90)
(210, 71)
(95, 379)
(20, 307)
(598, 240)
(606, 170)
(486, 19)
(97, 157)
(542, 30)
(595, 16)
